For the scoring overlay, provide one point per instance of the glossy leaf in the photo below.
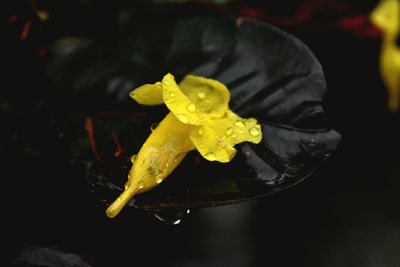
(272, 77)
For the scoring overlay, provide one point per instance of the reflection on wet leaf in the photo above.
(271, 75)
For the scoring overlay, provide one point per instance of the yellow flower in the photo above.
(199, 119)
(203, 104)
(386, 16)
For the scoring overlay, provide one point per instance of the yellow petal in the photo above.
(210, 96)
(178, 103)
(235, 129)
(386, 16)
(148, 94)
(211, 146)
(216, 137)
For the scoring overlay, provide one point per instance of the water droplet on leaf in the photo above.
(172, 217)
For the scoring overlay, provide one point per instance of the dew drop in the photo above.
(229, 131)
(254, 131)
(201, 95)
(251, 121)
(210, 156)
(127, 184)
(231, 115)
(183, 118)
(133, 158)
(166, 82)
(171, 216)
(191, 107)
(159, 180)
(172, 94)
(239, 124)
(153, 126)
(140, 185)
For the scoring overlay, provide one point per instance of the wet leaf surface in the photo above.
(271, 75)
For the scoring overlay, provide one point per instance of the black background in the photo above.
(345, 214)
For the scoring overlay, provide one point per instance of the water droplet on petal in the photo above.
(133, 158)
(201, 95)
(183, 118)
(229, 131)
(140, 185)
(153, 126)
(239, 124)
(251, 121)
(127, 184)
(159, 180)
(231, 115)
(254, 131)
(210, 156)
(165, 82)
(191, 107)
(172, 94)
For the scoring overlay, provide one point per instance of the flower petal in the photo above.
(178, 103)
(210, 96)
(211, 146)
(216, 137)
(235, 129)
(148, 94)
